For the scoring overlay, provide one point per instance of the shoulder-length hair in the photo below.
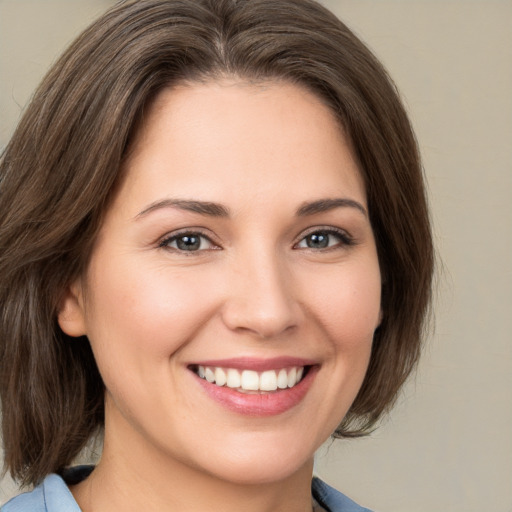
(60, 167)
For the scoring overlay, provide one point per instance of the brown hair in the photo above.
(60, 167)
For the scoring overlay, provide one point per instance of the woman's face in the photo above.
(234, 289)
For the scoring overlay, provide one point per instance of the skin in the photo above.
(254, 288)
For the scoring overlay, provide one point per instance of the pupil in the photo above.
(188, 243)
(318, 241)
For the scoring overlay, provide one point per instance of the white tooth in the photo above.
(292, 377)
(233, 378)
(300, 372)
(268, 381)
(250, 380)
(209, 375)
(220, 377)
(200, 371)
(282, 379)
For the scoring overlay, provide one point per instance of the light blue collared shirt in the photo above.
(53, 495)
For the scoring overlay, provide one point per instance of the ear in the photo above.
(71, 314)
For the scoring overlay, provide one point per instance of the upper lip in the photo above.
(256, 364)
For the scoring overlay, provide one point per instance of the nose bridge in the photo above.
(260, 293)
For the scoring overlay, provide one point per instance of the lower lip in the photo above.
(259, 404)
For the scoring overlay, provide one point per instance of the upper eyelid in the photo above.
(325, 229)
(188, 230)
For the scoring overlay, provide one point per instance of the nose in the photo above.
(260, 298)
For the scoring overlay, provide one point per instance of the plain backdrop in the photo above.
(447, 445)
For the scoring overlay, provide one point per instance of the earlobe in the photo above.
(71, 315)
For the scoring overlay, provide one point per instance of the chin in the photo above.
(261, 462)
(262, 472)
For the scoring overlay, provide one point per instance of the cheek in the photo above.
(347, 303)
(139, 316)
(346, 306)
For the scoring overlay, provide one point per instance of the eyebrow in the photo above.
(324, 205)
(201, 207)
(218, 210)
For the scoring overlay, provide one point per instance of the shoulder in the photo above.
(33, 501)
(333, 500)
(52, 495)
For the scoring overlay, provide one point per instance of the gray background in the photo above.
(447, 445)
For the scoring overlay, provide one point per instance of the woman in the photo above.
(215, 250)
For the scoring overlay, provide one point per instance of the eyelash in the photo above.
(344, 240)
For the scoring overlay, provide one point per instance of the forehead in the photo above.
(263, 138)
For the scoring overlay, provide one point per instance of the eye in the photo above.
(190, 241)
(324, 239)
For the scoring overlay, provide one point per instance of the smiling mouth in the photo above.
(251, 381)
